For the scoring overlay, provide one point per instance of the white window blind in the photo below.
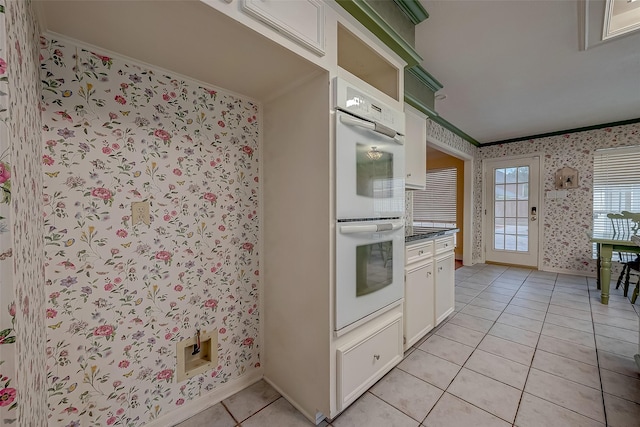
(616, 184)
(437, 204)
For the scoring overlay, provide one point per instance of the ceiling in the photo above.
(513, 69)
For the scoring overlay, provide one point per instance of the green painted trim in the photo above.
(415, 103)
(564, 132)
(426, 78)
(368, 17)
(413, 9)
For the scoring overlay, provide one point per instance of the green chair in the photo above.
(626, 224)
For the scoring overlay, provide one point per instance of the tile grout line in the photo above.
(604, 407)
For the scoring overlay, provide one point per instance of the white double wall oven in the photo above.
(369, 204)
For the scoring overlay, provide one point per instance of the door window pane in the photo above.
(511, 216)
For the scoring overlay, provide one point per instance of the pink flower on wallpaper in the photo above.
(179, 401)
(5, 173)
(12, 309)
(120, 99)
(108, 287)
(7, 396)
(177, 172)
(247, 246)
(3, 66)
(123, 364)
(247, 150)
(162, 134)
(47, 160)
(165, 374)
(163, 256)
(211, 303)
(221, 123)
(178, 288)
(102, 193)
(122, 233)
(111, 420)
(51, 313)
(106, 150)
(103, 331)
(248, 341)
(210, 197)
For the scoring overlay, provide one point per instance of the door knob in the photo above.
(534, 213)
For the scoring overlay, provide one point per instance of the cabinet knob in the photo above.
(408, 174)
(376, 356)
(439, 268)
(420, 252)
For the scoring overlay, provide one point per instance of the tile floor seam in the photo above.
(229, 412)
(604, 407)
(530, 367)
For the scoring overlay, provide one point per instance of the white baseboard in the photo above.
(310, 417)
(206, 401)
(567, 271)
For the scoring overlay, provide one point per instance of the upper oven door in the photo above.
(369, 169)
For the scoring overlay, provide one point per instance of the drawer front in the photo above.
(419, 251)
(444, 244)
(363, 362)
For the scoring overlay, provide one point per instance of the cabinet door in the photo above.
(302, 21)
(444, 286)
(418, 303)
(416, 148)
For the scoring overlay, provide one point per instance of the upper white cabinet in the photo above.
(302, 21)
(416, 148)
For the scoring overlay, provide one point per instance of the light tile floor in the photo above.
(524, 348)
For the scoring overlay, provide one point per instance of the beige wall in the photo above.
(439, 160)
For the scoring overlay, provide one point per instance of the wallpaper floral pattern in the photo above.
(122, 293)
(21, 239)
(565, 244)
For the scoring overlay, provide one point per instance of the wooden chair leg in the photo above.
(626, 281)
(634, 296)
(625, 269)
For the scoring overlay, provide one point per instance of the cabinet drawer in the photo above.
(419, 251)
(363, 362)
(444, 244)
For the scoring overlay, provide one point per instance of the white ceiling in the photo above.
(513, 69)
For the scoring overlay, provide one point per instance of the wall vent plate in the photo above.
(189, 364)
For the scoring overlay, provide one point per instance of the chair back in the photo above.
(625, 224)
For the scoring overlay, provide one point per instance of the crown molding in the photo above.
(415, 103)
(413, 9)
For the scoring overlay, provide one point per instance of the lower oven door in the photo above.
(369, 268)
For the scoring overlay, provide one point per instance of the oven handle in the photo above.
(370, 228)
(374, 126)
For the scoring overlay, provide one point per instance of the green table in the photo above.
(608, 242)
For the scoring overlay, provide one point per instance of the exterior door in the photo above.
(512, 208)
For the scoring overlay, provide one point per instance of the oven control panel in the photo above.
(357, 102)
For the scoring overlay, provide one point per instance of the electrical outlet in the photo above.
(140, 213)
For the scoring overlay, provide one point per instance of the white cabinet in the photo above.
(444, 285)
(416, 148)
(429, 287)
(363, 361)
(419, 317)
(301, 21)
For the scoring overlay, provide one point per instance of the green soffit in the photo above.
(368, 17)
(413, 9)
(415, 103)
(425, 78)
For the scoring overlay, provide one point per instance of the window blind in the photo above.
(616, 184)
(437, 204)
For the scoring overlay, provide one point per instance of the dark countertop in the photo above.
(413, 234)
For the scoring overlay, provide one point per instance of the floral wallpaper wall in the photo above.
(565, 245)
(23, 398)
(121, 293)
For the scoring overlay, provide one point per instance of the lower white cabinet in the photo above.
(429, 287)
(419, 314)
(363, 361)
(444, 286)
